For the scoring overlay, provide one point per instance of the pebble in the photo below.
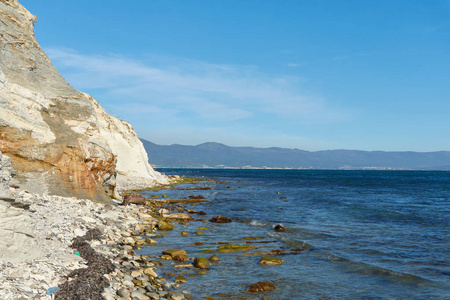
(176, 296)
(153, 295)
(136, 273)
(150, 272)
(123, 292)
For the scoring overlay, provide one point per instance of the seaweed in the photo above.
(87, 283)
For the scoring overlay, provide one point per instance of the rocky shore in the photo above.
(54, 247)
(57, 221)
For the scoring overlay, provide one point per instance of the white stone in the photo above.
(128, 241)
(79, 232)
(150, 272)
(89, 219)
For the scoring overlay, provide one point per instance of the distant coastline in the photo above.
(219, 156)
(297, 169)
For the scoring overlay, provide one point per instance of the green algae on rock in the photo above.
(201, 263)
(214, 258)
(270, 260)
(173, 252)
(234, 248)
(165, 225)
(180, 257)
(180, 279)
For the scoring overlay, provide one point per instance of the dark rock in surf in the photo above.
(261, 287)
(220, 219)
(196, 197)
(279, 228)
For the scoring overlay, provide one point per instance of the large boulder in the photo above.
(59, 139)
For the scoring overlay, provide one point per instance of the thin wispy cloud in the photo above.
(209, 92)
(297, 65)
(341, 57)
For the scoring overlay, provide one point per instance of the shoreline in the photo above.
(57, 221)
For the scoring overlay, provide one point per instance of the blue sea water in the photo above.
(365, 234)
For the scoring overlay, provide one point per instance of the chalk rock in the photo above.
(79, 232)
(60, 140)
(6, 171)
(16, 233)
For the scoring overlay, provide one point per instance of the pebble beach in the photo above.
(58, 221)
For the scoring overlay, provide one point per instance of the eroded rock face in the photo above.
(59, 139)
(16, 240)
(5, 176)
(133, 169)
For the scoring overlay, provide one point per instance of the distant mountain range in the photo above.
(215, 155)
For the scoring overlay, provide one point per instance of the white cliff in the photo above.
(59, 139)
(133, 169)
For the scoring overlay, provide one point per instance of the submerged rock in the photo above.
(270, 260)
(201, 263)
(180, 279)
(180, 257)
(261, 287)
(220, 219)
(234, 248)
(174, 252)
(214, 258)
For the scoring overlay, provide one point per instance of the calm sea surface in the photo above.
(367, 234)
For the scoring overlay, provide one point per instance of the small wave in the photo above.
(291, 242)
(257, 223)
(368, 269)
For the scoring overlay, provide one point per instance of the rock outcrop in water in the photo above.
(59, 139)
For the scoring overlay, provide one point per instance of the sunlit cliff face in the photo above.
(47, 128)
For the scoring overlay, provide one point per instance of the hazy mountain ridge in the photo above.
(216, 155)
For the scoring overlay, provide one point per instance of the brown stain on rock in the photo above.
(70, 171)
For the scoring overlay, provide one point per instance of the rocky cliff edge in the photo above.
(59, 139)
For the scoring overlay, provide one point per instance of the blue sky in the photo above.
(313, 75)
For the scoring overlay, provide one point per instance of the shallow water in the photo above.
(367, 234)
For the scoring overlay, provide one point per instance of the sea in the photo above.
(355, 234)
